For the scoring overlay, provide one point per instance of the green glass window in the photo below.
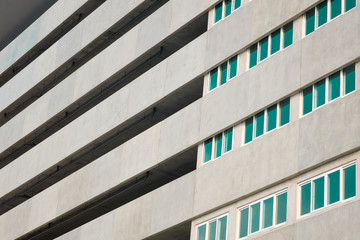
(335, 8)
(288, 34)
(320, 93)
(334, 86)
(305, 199)
(255, 218)
(281, 210)
(268, 211)
(264, 46)
(271, 117)
(222, 228)
(227, 7)
(307, 100)
(244, 221)
(218, 145)
(322, 13)
(237, 4)
(201, 233)
(310, 21)
(218, 12)
(233, 67)
(228, 139)
(334, 187)
(259, 118)
(248, 130)
(350, 182)
(284, 111)
(208, 150)
(213, 78)
(253, 55)
(350, 4)
(349, 74)
(223, 73)
(319, 193)
(275, 41)
(212, 230)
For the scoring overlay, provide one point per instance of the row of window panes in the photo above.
(218, 145)
(327, 189)
(271, 44)
(223, 73)
(215, 229)
(263, 214)
(326, 11)
(328, 89)
(225, 8)
(267, 120)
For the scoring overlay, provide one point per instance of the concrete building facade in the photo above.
(182, 119)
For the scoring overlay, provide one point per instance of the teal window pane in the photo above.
(268, 212)
(281, 210)
(253, 55)
(212, 230)
(284, 111)
(320, 93)
(255, 218)
(334, 86)
(228, 139)
(244, 221)
(271, 117)
(275, 41)
(349, 74)
(201, 232)
(259, 118)
(319, 193)
(350, 4)
(208, 150)
(218, 12)
(288, 34)
(218, 145)
(322, 13)
(227, 7)
(334, 187)
(223, 73)
(213, 78)
(264, 48)
(305, 199)
(249, 130)
(307, 100)
(310, 21)
(233, 67)
(222, 228)
(335, 8)
(237, 4)
(350, 182)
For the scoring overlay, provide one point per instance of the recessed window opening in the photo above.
(214, 229)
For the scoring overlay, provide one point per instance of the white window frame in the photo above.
(218, 81)
(207, 223)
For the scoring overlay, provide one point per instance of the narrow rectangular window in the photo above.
(222, 225)
(281, 209)
(275, 41)
(310, 21)
(218, 12)
(249, 130)
(228, 140)
(288, 34)
(320, 93)
(350, 4)
(208, 150)
(305, 199)
(259, 118)
(322, 13)
(334, 187)
(271, 117)
(307, 100)
(349, 75)
(223, 73)
(244, 222)
(201, 232)
(335, 8)
(237, 4)
(253, 55)
(213, 78)
(268, 212)
(334, 86)
(350, 182)
(264, 48)
(284, 111)
(233, 66)
(319, 193)
(212, 230)
(227, 7)
(218, 145)
(255, 218)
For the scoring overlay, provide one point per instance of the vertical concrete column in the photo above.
(295, 107)
(298, 28)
